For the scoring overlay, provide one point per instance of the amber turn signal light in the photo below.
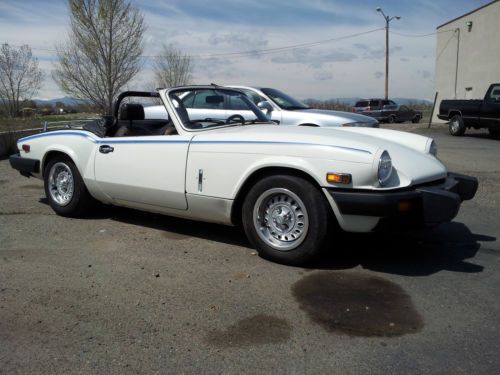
(338, 178)
(404, 206)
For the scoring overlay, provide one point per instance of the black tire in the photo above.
(391, 119)
(416, 119)
(79, 201)
(267, 197)
(456, 126)
(494, 132)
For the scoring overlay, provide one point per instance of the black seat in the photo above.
(132, 112)
(129, 112)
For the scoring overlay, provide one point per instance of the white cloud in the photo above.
(340, 68)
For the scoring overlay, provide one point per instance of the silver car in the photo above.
(277, 106)
(286, 110)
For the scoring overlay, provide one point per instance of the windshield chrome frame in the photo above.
(165, 95)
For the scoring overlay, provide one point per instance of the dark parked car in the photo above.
(395, 113)
(364, 105)
(476, 114)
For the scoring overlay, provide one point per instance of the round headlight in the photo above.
(384, 168)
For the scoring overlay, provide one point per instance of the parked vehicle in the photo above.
(278, 106)
(281, 107)
(477, 114)
(395, 113)
(285, 185)
(366, 105)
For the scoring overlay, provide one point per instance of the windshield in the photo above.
(201, 108)
(283, 100)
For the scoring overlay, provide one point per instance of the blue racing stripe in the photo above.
(131, 141)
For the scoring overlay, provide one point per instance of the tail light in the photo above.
(26, 148)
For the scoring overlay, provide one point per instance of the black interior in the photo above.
(131, 122)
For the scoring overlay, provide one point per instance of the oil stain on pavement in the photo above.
(357, 304)
(256, 330)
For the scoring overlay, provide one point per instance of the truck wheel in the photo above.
(286, 219)
(494, 132)
(391, 119)
(416, 119)
(456, 126)
(65, 189)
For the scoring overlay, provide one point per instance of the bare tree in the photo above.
(20, 77)
(103, 52)
(172, 68)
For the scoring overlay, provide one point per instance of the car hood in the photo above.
(348, 116)
(362, 145)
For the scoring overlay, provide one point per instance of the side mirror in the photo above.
(265, 106)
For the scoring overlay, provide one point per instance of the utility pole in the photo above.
(387, 20)
(457, 31)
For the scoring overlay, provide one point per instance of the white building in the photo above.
(468, 54)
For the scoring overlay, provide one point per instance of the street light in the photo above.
(387, 20)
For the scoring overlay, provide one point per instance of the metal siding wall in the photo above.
(479, 55)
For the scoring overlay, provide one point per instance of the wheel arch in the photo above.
(454, 112)
(49, 155)
(259, 174)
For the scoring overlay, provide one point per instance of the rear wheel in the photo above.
(391, 119)
(457, 126)
(286, 218)
(416, 119)
(65, 189)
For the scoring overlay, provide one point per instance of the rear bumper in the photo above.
(428, 204)
(25, 166)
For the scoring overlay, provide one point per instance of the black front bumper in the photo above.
(427, 204)
(25, 166)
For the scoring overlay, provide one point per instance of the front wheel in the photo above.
(65, 189)
(416, 119)
(286, 218)
(391, 119)
(457, 126)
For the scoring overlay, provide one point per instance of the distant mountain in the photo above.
(401, 101)
(66, 101)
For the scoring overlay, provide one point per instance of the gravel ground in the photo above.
(129, 292)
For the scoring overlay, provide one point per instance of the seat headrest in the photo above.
(132, 112)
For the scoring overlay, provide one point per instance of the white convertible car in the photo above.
(287, 186)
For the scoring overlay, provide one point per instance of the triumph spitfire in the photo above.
(287, 186)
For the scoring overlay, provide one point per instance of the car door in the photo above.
(490, 110)
(146, 170)
(404, 113)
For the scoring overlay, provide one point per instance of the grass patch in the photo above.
(13, 124)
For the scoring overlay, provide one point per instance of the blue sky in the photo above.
(347, 67)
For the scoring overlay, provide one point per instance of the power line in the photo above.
(268, 51)
(278, 49)
(420, 35)
(245, 53)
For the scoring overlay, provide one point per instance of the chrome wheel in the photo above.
(280, 219)
(61, 184)
(455, 126)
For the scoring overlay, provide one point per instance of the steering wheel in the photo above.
(235, 118)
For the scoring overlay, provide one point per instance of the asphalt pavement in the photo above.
(125, 292)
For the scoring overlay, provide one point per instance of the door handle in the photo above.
(105, 149)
